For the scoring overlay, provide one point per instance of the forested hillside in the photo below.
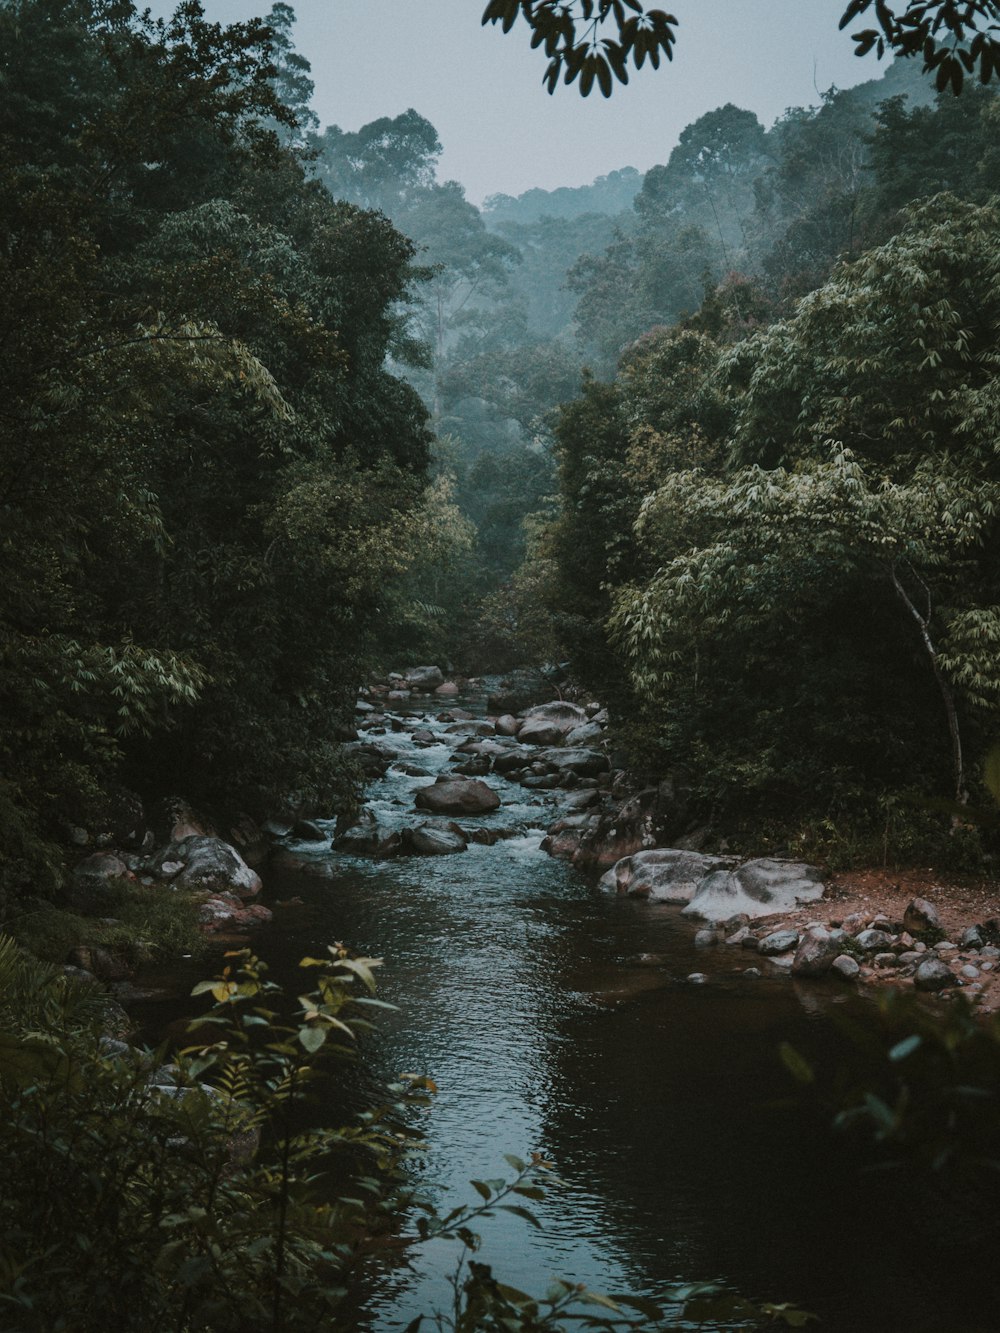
(210, 479)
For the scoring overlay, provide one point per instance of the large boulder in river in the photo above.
(581, 762)
(457, 796)
(434, 840)
(757, 888)
(550, 724)
(817, 951)
(666, 874)
(646, 820)
(209, 864)
(426, 678)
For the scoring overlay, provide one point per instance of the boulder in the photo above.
(845, 967)
(226, 911)
(457, 796)
(588, 734)
(101, 963)
(872, 939)
(921, 915)
(817, 950)
(778, 942)
(933, 974)
(92, 887)
(508, 725)
(474, 766)
(434, 840)
(583, 763)
(550, 724)
(211, 865)
(475, 727)
(513, 759)
(426, 678)
(665, 875)
(638, 824)
(447, 689)
(249, 839)
(308, 831)
(757, 888)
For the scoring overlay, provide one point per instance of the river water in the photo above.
(557, 1018)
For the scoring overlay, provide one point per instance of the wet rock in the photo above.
(398, 696)
(250, 840)
(412, 770)
(580, 800)
(308, 831)
(666, 875)
(508, 725)
(933, 974)
(816, 951)
(920, 915)
(446, 689)
(363, 706)
(697, 978)
(425, 678)
(424, 737)
(473, 727)
(738, 936)
(758, 888)
(638, 824)
(457, 796)
(581, 762)
(550, 724)
(434, 840)
(541, 781)
(513, 760)
(475, 766)
(845, 967)
(705, 939)
(563, 843)
(778, 942)
(752, 973)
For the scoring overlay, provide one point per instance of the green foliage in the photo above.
(204, 461)
(952, 39)
(148, 1195)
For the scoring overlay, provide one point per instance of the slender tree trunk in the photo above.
(947, 697)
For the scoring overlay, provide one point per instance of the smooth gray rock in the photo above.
(779, 941)
(584, 763)
(550, 724)
(457, 796)
(425, 678)
(971, 938)
(762, 887)
(933, 974)
(587, 735)
(697, 978)
(921, 915)
(817, 949)
(872, 939)
(845, 967)
(309, 831)
(705, 939)
(434, 840)
(211, 865)
(665, 875)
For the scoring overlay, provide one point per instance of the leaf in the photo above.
(799, 1068)
(905, 1047)
(312, 1038)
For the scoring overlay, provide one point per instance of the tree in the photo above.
(953, 39)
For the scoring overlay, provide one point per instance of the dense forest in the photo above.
(282, 410)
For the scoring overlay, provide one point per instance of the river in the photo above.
(557, 1018)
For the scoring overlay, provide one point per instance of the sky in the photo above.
(503, 133)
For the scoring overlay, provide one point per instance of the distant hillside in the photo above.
(609, 194)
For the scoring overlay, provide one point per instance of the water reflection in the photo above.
(556, 1019)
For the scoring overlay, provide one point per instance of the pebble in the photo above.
(752, 972)
(697, 978)
(969, 972)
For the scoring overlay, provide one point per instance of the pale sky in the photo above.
(482, 90)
